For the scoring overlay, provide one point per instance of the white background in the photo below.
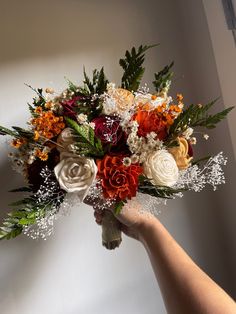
(42, 41)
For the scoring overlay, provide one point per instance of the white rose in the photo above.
(65, 140)
(75, 174)
(160, 167)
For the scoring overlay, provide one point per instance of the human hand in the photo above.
(133, 220)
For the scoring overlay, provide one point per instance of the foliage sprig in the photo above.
(197, 116)
(98, 83)
(163, 78)
(133, 68)
(146, 187)
(86, 141)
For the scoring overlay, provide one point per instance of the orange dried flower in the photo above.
(36, 135)
(48, 105)
(44, 156)
(180, 97)
(41, 155)
(47, 125)
(38, 110)
(18, 142)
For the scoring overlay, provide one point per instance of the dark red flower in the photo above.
(190, 149)
(108, 129)
(33, 171)
(69, 106)
(118, 181)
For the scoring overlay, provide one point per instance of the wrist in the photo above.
(146, 227)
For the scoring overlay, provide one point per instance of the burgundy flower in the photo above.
(33, 170)
(109, 131)
(69, 106)
(190, 149)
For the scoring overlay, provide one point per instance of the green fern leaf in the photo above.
(132, 66)
(98, 84)
(5, 131)
(86, 142)
(163, 78)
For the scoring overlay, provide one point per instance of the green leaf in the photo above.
(98, 84)
(196, 115)
(211, 120)
(10, 233)
(5, 131)
(26, 221)
(29, 209)
(22, 189)
(23, 132)
(132, 66)
(163, 78)
(40, 100)
(22, 202)
(71, 86)
(166, 192)
(86, 142)
(118, 207)
(31, 109)
(17, 214)
(198, 161)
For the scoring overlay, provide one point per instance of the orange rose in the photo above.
(150, 121)
(118, 181)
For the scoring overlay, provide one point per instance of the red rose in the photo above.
(118, 181)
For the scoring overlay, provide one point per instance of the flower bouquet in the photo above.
(104, 145)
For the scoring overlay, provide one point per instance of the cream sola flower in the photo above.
(75, 174)
(117, 101)
(160, 167)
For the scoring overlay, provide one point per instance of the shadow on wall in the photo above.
(20, 255)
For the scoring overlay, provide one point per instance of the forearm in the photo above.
(184, 286)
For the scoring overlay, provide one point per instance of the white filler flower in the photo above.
(160, 167)
(75, 174)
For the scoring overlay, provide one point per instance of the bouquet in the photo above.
(106, 145)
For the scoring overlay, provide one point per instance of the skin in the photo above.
(184, 286)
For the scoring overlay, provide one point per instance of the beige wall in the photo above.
(42, 41)
(224, 49)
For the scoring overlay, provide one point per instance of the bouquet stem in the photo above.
(111, 233)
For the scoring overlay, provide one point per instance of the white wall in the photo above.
(71, 272)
